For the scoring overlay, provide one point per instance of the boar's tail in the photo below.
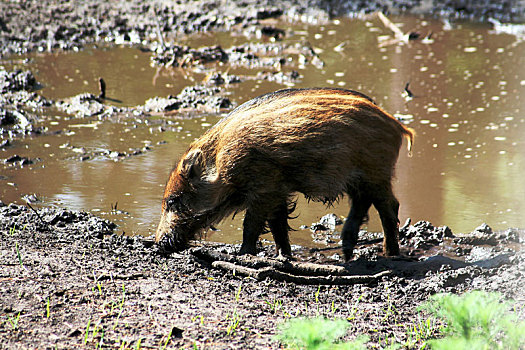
(409, 134)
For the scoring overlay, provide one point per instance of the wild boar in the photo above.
(321, 142)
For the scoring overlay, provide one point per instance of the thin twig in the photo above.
(38, 215)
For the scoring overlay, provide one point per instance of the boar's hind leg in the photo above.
(388, 208)
(358, 213)
(253, 227)
(278, 224)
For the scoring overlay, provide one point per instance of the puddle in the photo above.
(467, 167)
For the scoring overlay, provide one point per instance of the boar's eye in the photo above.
(175, 204)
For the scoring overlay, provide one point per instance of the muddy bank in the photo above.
(67, 25)
(69, 281)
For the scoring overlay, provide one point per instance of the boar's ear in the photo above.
(193, 164)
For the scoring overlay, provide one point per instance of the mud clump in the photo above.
(423, 235)
(483, 235)
(191, 97)
(82, 105)
(184, 56)
(16, 80)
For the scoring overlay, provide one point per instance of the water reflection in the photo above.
(467, 111)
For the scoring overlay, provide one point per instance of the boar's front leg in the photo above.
(350, 233)
(253, 227)
(278, 224)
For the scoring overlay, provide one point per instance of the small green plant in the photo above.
(353, 310)
(238, 294)
(14, 321)
(234, 318)
(233, 322)
(391, 310)
(316, 296)
(333, 308)
(167, 339)
(317, 334)
(86, 333)
(18, 255)
(200, 317)
(48, 308)
(100, 344)
(120, 306)
(419, 333)
(476, 320)
(274, 305)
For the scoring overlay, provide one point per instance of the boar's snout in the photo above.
(168, 235)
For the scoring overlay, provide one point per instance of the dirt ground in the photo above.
(67, 281)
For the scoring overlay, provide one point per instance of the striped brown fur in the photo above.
(321, 142)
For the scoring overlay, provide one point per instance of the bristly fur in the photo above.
(321, 142)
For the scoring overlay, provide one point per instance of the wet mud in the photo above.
(66, 25)
(70, 281)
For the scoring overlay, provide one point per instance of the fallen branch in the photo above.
(390, 25)
(302, 268)
(283, 270)
(277, 275)
(399, 36)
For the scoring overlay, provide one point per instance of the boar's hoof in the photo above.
(247, 250)
(391, 251)
(348, 253)
(284, 257)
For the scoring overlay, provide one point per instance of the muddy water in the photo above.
(468, 112)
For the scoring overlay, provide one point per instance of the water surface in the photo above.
(468, 113)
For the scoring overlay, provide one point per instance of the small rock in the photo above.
(484, 228)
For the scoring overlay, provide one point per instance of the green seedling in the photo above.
(14, 321)
(234, 319)
(390, 310)
(86, 333)
(201, 322)
(353, 310)
(123, 344)
(123, 295)
(233, 323)
(333, 307)
(238, 293)
(18, 255)
(420, 333)
(168, 339)
(121, 306)
(117, 320)
(316, 297)
(47, 308)
(138, 345)
(101, 342)
(275, 305)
